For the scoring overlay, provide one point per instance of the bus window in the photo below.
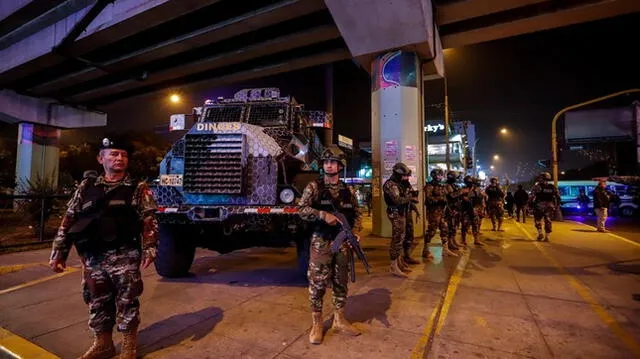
(574, 191)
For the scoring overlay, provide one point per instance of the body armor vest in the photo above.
(546, 193)
(391, 205)
(326, 202)
(106, 220)
(493, 192)
(435, 195)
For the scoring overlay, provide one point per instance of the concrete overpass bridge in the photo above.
(60, 60)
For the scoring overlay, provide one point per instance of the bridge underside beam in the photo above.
(18, 108)
(538, 16)
(117, 21)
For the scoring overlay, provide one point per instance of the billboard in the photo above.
(599, 125)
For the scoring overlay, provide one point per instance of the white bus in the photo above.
(570, 190)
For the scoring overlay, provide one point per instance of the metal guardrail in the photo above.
(26, 217)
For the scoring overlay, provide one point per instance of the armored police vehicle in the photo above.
(233, 179)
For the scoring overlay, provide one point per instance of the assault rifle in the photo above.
(346, 235)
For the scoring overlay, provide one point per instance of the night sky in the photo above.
(519, 83)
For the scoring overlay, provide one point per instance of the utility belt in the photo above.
(398, 209)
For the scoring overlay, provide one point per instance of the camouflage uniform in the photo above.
(545, 198)
(399, 215)
(435, 199)
(112, 281)
(495, 205)
(452, 213)
(325, 267)
(470, 197)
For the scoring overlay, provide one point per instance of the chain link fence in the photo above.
(30, 219)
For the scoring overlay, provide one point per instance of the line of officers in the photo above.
(451, 205)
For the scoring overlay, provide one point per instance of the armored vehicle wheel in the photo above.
(302, 249)
(176, 250)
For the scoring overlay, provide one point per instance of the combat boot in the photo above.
(540, 235)
(409, 260)
(102, 347)
(403, 265)
(446, 251)
(546, 237)
(315, 337)
(426, 254)
(395, 269)
(342, 325)
(477, 242)
(129, 344)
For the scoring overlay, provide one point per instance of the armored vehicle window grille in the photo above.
(273, 114)
(178, 149)
(213, 164)
(224, 114)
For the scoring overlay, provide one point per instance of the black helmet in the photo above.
(117, 143)
(477, 181)
(468, 180)
(436, 172)
(452, 175)
(401, 169)
(493, 179)
(545, 176)
(333, 153)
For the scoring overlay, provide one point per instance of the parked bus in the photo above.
(570, 190)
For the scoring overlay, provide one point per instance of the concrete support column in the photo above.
(38, 155)
(397, 127)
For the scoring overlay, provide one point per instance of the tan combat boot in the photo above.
(410, 260)
(403, 265)
(129, 344)
(102, 347)
(342, 325)
(446, 251)
(315, 337)
(477, 242)
(426, 254)
(395, 269)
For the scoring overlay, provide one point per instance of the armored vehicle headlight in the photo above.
(287, 195)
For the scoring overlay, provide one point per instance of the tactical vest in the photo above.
(106, 221)
(326, 202)
(546, 193)
(435, 195)
(493, 192)
(391, 205)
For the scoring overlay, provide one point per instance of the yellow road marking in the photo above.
(588, 296)
(38, 281)
(17, 267)
(609, 233)
(433, 328)
(22, 348)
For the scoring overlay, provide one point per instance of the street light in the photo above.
(174, 98)
(496, 157)
(504, 131)
(492, 167)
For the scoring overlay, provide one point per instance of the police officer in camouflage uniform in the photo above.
(495, 203)
(319, 200)
(480, 207)
(452, 213)
(471, 198)
(111, 221)
(435, 199)
(545, 198)
(398, 198)
(409, 244)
